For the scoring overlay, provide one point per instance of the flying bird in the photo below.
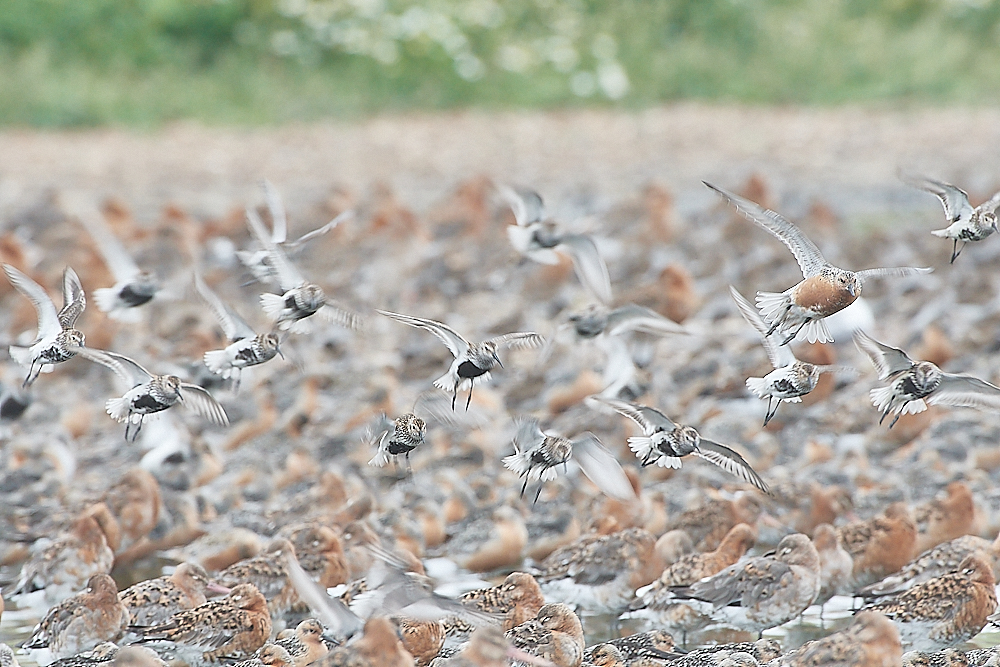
(150, 393)
(538, 238)
(825, 290)
(664, 443)
(473, 362)
(965, 223)
(791, 379)
(246, 348)
(57, 336)
(917, 383)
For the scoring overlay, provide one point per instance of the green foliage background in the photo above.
(143, 62)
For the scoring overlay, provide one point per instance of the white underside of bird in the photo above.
(226, 362)
(766, 386)
(120, 408)
(887, 398)
(645, 447)
(108, 301)
(778, 306)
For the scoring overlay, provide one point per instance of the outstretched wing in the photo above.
(526, 204)
(601, 467)
(234, 326)
(74, 299)
(779, 355)
(806, 253)
(320, 231)
(279, 221)
(455, 343)
(991, 204)
(887, 360)
(129, 371)
(288, 276)
(115, 256)
(589, 265)
(730, 461)
(649, 419)
(518, 341)
(48, 320)
(954, 200)
(965, 391)
(528, 434)
(892, 272)
(199, 400)
(633, 317)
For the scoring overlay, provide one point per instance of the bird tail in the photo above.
(118, 408)
(272, 304)
(759, 386)
(218, 362)
(940, 233)
(21, 355)
(519, 462)
(642, 445)
(815, 331)
(106, 298)
(882, 398)
(382, 455)
(772, 305)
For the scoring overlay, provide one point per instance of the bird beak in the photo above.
(851, 289)
(280, 353)
(218, 589)
(498, 359)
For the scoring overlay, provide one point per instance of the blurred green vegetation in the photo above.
(143, 62)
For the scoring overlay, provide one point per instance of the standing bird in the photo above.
(133, 287)
(246, 348)
(57, 336)
(965, 223)
(917, 383)
(537, 456)
(83, 621)
(664, 443)
(537, 238)
(791, 379)
(150, 393)
(299, 299)
(825, 290)
(259, 261)
(472, 363)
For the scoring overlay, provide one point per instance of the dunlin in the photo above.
(396, 437)
(57, 338)
(825, 289)
(965, 223)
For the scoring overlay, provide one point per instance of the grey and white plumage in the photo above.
(473, 362)
(664, 443)
(150, 393)
(538, 455)
(246, 347)
(825, 290)
(7, 657)
(965, 222)
(791, 379)
(259, 262)
(915, 384)
(538, 238)
(133, 287)
(395, 437)
(57, 336)
(299, 299)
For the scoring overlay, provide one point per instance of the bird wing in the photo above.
(528, 434)
(379, 428)
(588, 264)
(234, 326)
(601, 467)
(74, 299)
(806, 253)
(526, 204)
(965, 391)
(991, 204)
(761, 579)
(633, 317)
(649, 419)
(279, 221)
(320, 231)
(333, 613)
(288, 276)
(779, 355)
(892, 272)
(202, 402)
(129, 371)
(887, 360)
(115, 256)
(518, 341)
(48, 320)
(954, 200)
(455, 343)
(730, 461)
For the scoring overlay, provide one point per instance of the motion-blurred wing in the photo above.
(730, 461)
(887, 360)
(601, 467)
(48, 320)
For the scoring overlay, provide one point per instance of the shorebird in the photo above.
(664, 443)
(965, 223)
(259, 261)
(917, 383)
(791, 379)
(652, 645)
(881, 545)
(554, 634)
(473, 362)
(269, 655)
(393, 437)
(304, 643)
(246, 348)
(537, 456)
(537, 238)
(870, 641)
(57, 336)
(299, 299)
(83, 621)
(836, 565)
(825, 290)
(133, 287)
(150, 393)
(154, 601)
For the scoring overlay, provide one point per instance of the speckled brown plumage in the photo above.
(423, 639)
(555, 634)
(870, 641)
(154, 601)
(304, 643)
(379, 646)
(268, 655)
(268, 574)
(83, 621)
(518, 598)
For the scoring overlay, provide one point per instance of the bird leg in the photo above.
(454, 397)
(779, 320)
(469, 401)
(898, 415)
(537, 493)
(769, 414)
(955, 251)
(525, 485)
(792, 337)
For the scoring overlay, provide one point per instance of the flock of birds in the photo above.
(308, 564)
